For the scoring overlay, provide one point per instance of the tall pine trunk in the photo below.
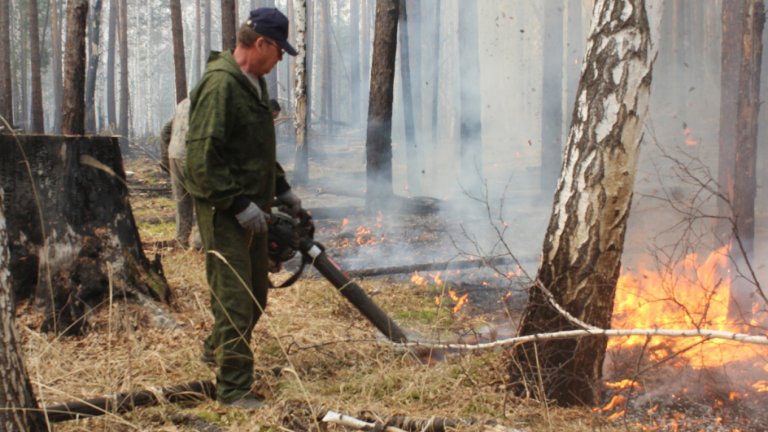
(378, 143)
(6, 83)
(744, 179)
(56, 65)
(180, 67)
(228, 25)
(581, 256)
(37, 124)
(73, 107)
(411, 150)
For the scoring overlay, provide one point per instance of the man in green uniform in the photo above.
(234, 178)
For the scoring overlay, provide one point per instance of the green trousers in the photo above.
(236, 266)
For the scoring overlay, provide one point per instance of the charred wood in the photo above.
(195, 391)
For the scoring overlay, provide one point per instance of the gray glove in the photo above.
(253, 219)
(291, 201)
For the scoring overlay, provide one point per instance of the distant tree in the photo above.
(551, 95)
(6, 82)
(354, 70)
(581, 256)
(124, 89)
(94, 36)
(56, 65)
(411, 150)
(177, 29)
(111, 100)
(37, 124)
(435, 78)
(73, 107)
(20, 412)
(470, 104)
(378, 145)
(207, 31)
(327, 57)
(228, 25)
(196, 53)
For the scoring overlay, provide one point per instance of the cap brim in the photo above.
(287, 47)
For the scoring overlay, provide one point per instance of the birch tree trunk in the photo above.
(301, 158)
(37, 123)
(94, 37)
(585, 238)
(73, 106)
(196, 57)
(378, 143)
(20, 411)
(6, 83)
(179, 64)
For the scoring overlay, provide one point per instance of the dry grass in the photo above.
(313, 352)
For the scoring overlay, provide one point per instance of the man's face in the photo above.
(263, 56)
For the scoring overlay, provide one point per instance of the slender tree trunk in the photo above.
(435, 82)
(365, 55)
(301, 158)
(20, 412)
(470, 105)
(6, 83)
(354, 70)
(178, 51)
(745, 162)
(124, 90)
(271, 78)
(56, 65)
(582, 249)
(207, 33)
(378, 144)
(111, 100)
(326, 85)
(73, 107)
(196, 57)
(38, 124)
(551, 96)
(311, 79)
(411, 150)
(228, 25)
(94, 36)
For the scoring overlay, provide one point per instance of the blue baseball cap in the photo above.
(271, 23)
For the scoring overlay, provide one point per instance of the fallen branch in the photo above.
(352, 422)
(441, 266)
(568, 334)
(195, 391)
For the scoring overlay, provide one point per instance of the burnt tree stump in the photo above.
(70, 227)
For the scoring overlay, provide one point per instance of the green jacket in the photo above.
(231, 140)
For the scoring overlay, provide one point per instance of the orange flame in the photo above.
(460, 301)
(693, 293)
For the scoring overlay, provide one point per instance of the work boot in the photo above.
(249, 402)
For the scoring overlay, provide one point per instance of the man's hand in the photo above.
(253, 219)
(291, 201)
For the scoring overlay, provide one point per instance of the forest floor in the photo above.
(313, 351)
